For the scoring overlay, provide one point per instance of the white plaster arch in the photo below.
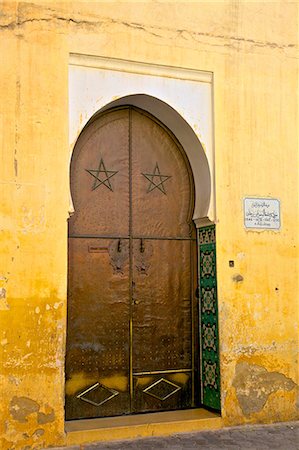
(180, 98)
(187, 138)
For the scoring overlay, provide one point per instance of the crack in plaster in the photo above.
(154, 31)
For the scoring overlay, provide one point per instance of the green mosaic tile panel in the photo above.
(210, 367)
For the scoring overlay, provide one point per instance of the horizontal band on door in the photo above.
(157, 372)
(155, 238)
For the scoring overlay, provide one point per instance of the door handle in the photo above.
(141, 245)
(119, 246)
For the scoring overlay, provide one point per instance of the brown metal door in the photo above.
(163, 265)
(98, 346)
(130, 339)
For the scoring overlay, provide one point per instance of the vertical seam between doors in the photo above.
(131, 263)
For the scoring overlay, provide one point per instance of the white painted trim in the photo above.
(123, 65)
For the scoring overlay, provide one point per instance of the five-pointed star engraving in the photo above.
(156, 180)
(104, 179)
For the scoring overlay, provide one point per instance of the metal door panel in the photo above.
(100, 178)
(162, 392)
(98, 329)
(162, 319)
(161, 183)
(162, 304)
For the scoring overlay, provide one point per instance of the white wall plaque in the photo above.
(263, 213)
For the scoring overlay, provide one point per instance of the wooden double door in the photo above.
(132, 311)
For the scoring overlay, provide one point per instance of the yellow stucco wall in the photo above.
(251, 49)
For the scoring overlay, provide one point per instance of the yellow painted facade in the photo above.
(250, 47)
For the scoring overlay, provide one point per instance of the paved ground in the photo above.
(259, 437)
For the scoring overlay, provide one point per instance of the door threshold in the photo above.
(140, 425)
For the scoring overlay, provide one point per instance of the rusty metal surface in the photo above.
(131, 308)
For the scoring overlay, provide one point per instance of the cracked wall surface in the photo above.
(251, 48)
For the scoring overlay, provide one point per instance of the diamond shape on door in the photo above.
(98, 394)
(162, 389)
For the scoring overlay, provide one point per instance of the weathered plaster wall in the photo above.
(34, 137)
(251, 49)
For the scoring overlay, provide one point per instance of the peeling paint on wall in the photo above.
(254, 384)
(237, 278)
(22, 407)
(38, 433)
(43, 418)
(4, 306)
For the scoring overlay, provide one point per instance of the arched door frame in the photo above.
(207, 284)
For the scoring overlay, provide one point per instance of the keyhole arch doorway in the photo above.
(102, 387)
